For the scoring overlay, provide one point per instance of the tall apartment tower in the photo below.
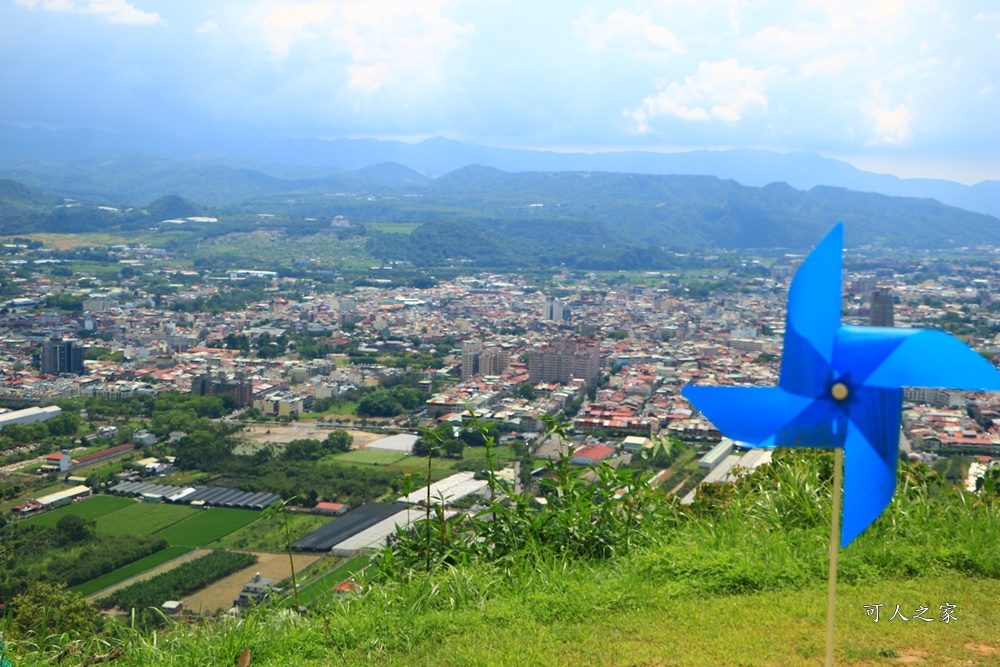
(881, 314)
(61, 356)
(565, 359)
(494, 360)
(239, 386)
(554, 310)
(472, 350)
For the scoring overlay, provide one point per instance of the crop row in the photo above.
(179, 582)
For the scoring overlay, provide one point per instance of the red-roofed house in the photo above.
(331, 509)
(591, 455)
(57, 462)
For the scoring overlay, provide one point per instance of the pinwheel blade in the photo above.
(814, 302)
(871, 450)
(914, 358)
(753, 415)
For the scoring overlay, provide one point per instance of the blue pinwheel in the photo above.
(841, 386)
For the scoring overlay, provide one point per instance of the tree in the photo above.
(304, 449)
(66, 423)
(47, 609)
(454, 448)
(525, 390)
(379, 403)
(202, 450)
(72, 528)
(338, 441)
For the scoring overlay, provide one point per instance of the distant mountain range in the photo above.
(492, 218)
(27, 155)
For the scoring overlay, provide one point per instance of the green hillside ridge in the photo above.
(737, 578)
(493, 218)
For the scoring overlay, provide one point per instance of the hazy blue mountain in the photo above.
(707, 211)
(135, 179)
(437, 156)
(392, 175)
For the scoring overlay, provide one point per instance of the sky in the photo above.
(910, 87)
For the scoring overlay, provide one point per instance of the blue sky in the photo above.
(910, 87)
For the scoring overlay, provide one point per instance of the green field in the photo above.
(394, 227)
(324, 585)
(269, 534)
(142, 518)
(208, 526)
(369, 457)
(347, 408)
(130, 570)
(95, 507)
(441, 467)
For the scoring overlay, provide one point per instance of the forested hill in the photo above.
(700, 211)
(491, 217)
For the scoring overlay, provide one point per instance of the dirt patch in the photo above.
(149, 574)
(282, 434)
(912, 657)
(983, 648)
(221, 594)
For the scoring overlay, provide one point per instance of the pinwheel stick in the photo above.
(831, 595)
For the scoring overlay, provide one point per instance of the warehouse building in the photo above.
(29, 415)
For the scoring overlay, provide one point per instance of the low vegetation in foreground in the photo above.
(593, 577)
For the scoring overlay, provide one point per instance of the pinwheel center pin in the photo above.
(839, 391)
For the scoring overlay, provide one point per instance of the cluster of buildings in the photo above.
(611, 356)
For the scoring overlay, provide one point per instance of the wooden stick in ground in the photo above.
(831, 597)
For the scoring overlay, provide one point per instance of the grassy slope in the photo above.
(611, 616)
(634, 623)
(734, 580)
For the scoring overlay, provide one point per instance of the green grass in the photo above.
(612, 615)
(142, 518)
(266, 534)
(208, 525)
(186, 478)
(324, 585)
(348, 408)
(631, 622)
(130, 570)
(95, 507)
(394, 227)
(369, 457)
(417, 465)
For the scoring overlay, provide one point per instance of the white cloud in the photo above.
(986, 90)
(721, 91)
(208, 27)
(288, 23)
(892, 126)
(624, 30)
(804, 40)
(393, 39)
(112, 11)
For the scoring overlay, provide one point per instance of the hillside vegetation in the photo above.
(738, 578)
(480, 215)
